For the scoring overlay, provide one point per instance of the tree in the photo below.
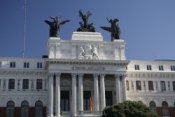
(128, 109)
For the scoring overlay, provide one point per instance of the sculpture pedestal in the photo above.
(87, 36)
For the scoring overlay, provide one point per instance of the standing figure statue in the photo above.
(85, 26)
(114, 29)
(55, 25)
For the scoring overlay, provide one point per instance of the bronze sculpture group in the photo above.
(55, 25)
(85, 26)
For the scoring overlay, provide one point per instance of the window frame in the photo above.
(12, 64)
(137, 67)
(39, 84)
(138, 85)
(25, 84)
(11, 84)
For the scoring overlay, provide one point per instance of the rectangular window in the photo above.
(26, 64)
(11, 84)
(172, 68)
(65, 102)
(150, 85)
(87, 100)
(149, 67)
(137, 67)
(109, 100)
(39, 84)
(25, 84)
(173, 85)
(39, 65)
(162, 85)
(12, 64)
(138, 85)
(161, 68)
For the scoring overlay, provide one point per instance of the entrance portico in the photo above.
(78, 71)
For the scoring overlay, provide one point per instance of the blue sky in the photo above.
(147, 26)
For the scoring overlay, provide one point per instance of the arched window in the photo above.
(10, 109)
(152, 106)
(38, 109)
(24, 109)
(165, 111)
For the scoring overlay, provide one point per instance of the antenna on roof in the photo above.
(24, 35)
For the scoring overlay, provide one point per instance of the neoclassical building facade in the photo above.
(80, 77)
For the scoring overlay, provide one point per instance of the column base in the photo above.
(74, 115)
(50, 116)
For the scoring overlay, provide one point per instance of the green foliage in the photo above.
(128, 109)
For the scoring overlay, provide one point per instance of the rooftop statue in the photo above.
(85, 26)
(55, 25)
(114, 29)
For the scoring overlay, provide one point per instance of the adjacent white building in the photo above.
(80, 77)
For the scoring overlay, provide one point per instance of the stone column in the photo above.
(80, 91)
(34, 81)
(117, 87)
(57, 100)
(16, 84)
(102, 92)
(171, 86)
(1, 84)
(130, 85)
(146, 85)
(124, 87)
(96, 93)
(30, 84)
(159, 85)
(43, 83)
(154, 85)
(50, 105)
(21, 84)
(74, 94)
(166, 86)
(134, 85)
(7, 84)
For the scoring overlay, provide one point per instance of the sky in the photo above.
(147, 26)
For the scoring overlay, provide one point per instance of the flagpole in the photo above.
(24, 28)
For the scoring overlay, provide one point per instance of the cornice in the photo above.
(22, 71)
(89, 62)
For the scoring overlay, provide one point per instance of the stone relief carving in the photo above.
(88, 52)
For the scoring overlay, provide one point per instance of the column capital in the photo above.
(120, 75)
(95, 75)
(57, 74)
(74, 75)
(80, 74)
(50, 74)
(102, 75)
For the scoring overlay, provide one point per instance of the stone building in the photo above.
(80, 77)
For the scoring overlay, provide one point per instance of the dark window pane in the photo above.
(138, 85)
(11, 83)
(150, 85)
(39, 84)
(25, 84)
